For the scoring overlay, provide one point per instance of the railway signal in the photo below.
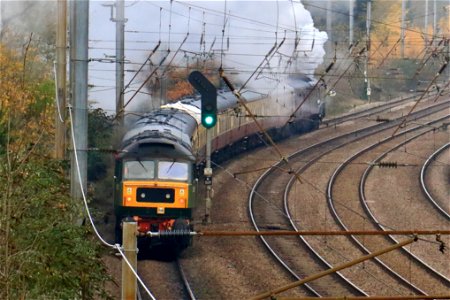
(209, 120)
(209, 98)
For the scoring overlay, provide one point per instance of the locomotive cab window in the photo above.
(173, 170)
(139, 169)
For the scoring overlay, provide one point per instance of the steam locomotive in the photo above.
(155, 172)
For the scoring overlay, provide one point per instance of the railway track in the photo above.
(422, 270)
(187, 286)
(174, 278)
(277, 217)
(441, 203)
(165, 279)
(371, 111)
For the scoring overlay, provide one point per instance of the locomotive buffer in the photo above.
(208, 94)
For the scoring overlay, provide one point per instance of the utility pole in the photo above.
(120, 57)
(448, 41)
(434, 21)
(329, 22)
(79, 35)
(426, 23)
(402, 32)
(60, 116)
(129, 284)
(351, 8)
(120, 54)
(366, 68)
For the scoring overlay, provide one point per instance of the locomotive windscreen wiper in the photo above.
(143, 167)
(171, 165)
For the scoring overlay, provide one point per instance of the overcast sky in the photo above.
(251, 29)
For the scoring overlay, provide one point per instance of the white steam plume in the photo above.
(252, 29)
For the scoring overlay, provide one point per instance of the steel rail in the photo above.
(331, 181)
(317, 145)
(286, 206)
(186, 284)
(424, 186)
(367, 112)
(268, 247)
(340, 222)
(289, 286)
(375, 220)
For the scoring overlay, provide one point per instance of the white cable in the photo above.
(134, 272)
(80, 182)
(56, 93)
(115, 246)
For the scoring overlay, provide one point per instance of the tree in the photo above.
(43, 253)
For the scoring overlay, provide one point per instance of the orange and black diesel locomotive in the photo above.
(155, 173)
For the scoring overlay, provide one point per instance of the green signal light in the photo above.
(208, 121)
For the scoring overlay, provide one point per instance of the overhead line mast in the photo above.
(79, 36)
(366, 64)
(120, 56)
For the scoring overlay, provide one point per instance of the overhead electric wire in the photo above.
(422, 96)
(281, 73)
(372, 20)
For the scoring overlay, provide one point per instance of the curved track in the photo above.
(370, 111)
(277, 218)
(428, 270)
(439, 204)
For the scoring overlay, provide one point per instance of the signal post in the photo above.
(208, 119)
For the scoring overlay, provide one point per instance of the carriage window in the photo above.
(173, 170)
(139, 169)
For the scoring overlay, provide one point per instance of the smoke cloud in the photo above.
(262, 40)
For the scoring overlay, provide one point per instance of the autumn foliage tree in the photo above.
(43, 252)
(176, 79)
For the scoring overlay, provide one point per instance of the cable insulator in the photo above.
(378, 119)
(329, 67)
(387, 164)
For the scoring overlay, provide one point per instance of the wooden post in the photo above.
(129, 283)
(61, 50)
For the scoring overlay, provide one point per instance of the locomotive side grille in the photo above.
(155, 195)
